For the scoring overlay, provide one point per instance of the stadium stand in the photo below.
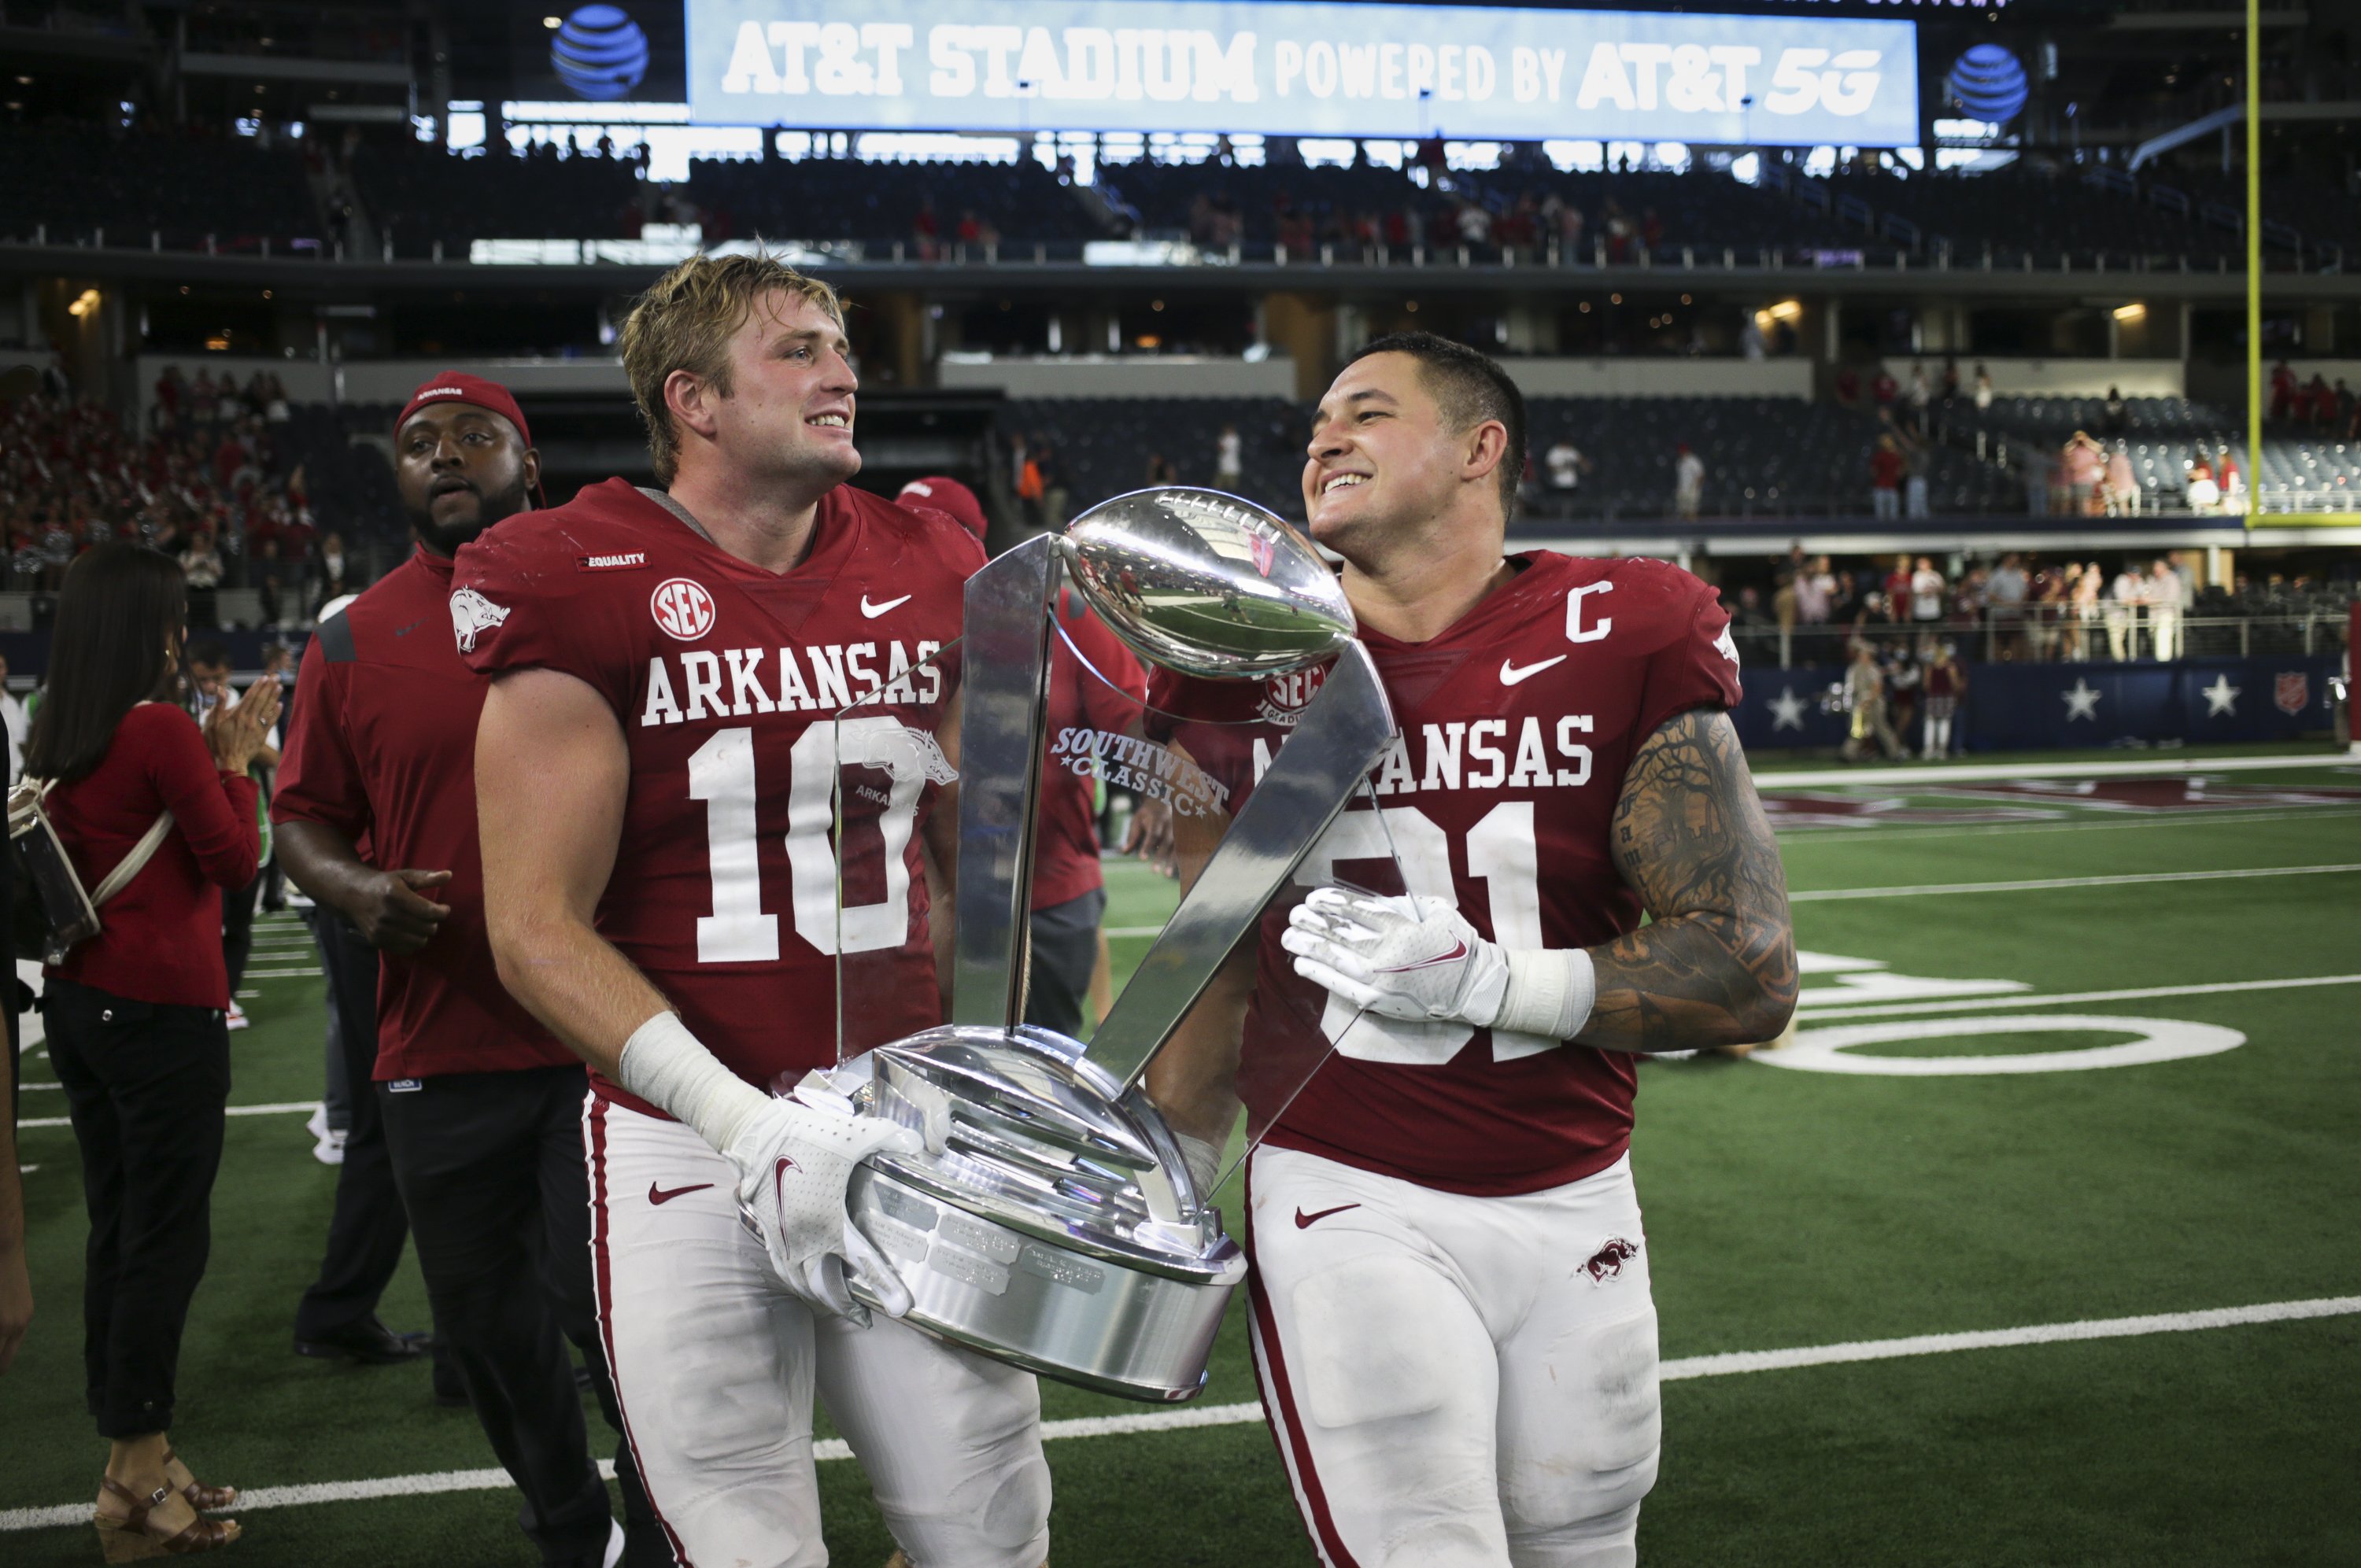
(922, 206)
(419, 197)
(2301, 469)
(188, 189)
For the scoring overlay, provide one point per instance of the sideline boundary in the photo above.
(1728, 1365)
(1989, 773)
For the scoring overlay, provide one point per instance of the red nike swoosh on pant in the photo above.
(1458, 952)
(1305, 1222)
(661, 1195)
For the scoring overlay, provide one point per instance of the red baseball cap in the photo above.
(949, 496)
(458, 387)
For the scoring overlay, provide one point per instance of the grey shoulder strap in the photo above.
(678, 511)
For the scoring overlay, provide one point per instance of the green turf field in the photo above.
(1786, 1208)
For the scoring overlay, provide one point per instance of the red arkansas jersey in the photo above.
(1516, 728)
(383, 749)
(727, 680)
(1104, 698)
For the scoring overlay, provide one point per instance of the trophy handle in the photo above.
(1004, 686)
(1342, 735)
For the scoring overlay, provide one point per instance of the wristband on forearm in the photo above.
(1549, 993)
(666, 1066)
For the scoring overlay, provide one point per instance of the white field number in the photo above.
(721, 774)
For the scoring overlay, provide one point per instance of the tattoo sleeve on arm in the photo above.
(1716, 966)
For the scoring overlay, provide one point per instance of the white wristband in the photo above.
(1549, 993)
(666, 1066)
(1203, 1159)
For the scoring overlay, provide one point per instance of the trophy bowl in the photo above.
(1207, 583)
(1049, 1221)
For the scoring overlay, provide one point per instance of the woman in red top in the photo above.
(135, 1013)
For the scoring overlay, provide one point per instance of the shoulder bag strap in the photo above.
(132, 864)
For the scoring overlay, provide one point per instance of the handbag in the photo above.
(58, 914)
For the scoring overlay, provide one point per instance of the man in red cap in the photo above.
(944, 494)
(481, 1107)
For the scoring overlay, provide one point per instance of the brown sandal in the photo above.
(204, 1499)
(132, 1538)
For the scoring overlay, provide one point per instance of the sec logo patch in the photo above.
(683, 609)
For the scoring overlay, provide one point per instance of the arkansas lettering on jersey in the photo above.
(1516, 728)
(726, 679)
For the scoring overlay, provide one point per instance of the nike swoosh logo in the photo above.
(660, 1196)
(1458, 952)
(1511, 675)
(1305, 1222)
(874, 611)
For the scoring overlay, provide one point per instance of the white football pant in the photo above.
(716, 1365)
(1455, 1382)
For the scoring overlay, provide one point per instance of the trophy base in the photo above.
(1050, 1222)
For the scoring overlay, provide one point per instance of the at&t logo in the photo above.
(683, 609)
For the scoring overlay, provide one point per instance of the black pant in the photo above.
(491, 1171)
(1065, 951)
(365, 1235)
(146, 1084)
(237, 931)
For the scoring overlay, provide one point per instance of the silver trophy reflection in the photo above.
(1051, 1222)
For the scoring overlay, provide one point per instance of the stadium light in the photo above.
(84, 303)
(2131, 313)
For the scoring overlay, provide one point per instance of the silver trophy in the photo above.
(1050, 1221)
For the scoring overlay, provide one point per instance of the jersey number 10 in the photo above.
(721, 774)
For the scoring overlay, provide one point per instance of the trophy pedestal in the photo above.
(1050, 1221)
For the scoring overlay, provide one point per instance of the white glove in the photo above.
(1415, 958)
(1419, 960)
(793, 1160)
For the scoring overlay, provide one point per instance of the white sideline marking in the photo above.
(1982, 771)
(2140, 994)
(1723, 1365)
(307, 1106)
(1883, 834)
(2043, 885)
(282, 973)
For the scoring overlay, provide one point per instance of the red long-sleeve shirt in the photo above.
(160, 938)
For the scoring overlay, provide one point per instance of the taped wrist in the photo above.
(1549, 993)
(1203, 1160)
(666, 1066)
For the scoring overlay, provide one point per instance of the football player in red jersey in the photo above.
(658, 770)
(1451, 1306)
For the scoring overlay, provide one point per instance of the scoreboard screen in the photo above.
(1303, 68)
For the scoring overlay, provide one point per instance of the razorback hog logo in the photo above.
(904, 753)
(472, 615)
(1608, 1262)
(682, 607)
(2291, 693)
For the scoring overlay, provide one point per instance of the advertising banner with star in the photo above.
(2028, 708)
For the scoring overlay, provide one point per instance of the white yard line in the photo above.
(2044, 885)
(1985, 771)
(1867, 831)
(1687, 1367)
(288, 1109)
(1985, 1003)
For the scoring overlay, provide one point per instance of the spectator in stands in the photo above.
(1229, 468)
(1927, 589)
(2090, 586)
(2233, 483)
(1949, 390)
(2202, 490)
(2125, 598)
(1921, 396)
(2084, 464)
(2122, 487)
(1848, 387)
(331, 574)
(1567, 466)
(1782, 609)
(1885, 467)
(2320, 402)
(1913, 483)
(201, 564)
(2165, 603)
(1884, 390)
(1688, 482)
(2340, 412)
(1160, 470)
(2111, 417)
(135, 1013)
(2005, 595)
(1984, 390)
(2284, 391)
